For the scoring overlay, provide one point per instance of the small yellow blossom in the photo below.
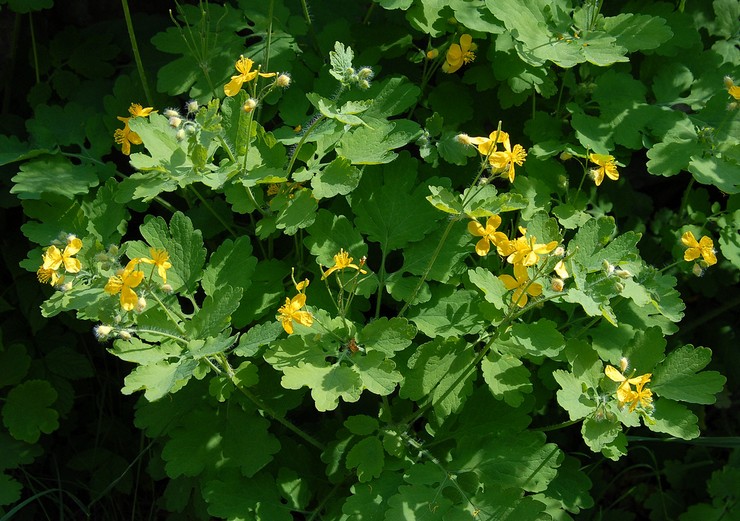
(124, 282)
(527, 250)
(457, 55)
(703, 248)
(518, 282)
(45, 275)
(290, 312)
(505, 160)
(625, 394)
(732, 89)
(244, 66)
(54, 259)
(342, 260)
(161, 259)
(125, 136)
(606, 167)
(488, 234)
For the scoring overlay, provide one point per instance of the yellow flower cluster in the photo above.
(54, 258)
(522, 252)
(626, 395)
(125, 136)
(501, 161)
(291, 311)
(131, 276)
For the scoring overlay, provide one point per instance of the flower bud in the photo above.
(622, 274)
(729, 82)
(565, 156)
(167, 288)
(191, 106)
(697, 270)
(175, 121)
(619, 287)
(170, 113)
(623, 364)
(102, 332)
(249, 105)
(559, 252)
(181, 134)
(463, 139)
(140, 305)
(124, 335)
(113, 249)
(432, 54)
(557, 284)
(363, 84)
(283, 80)
(65, 287)
(607, 267)
(365, 73)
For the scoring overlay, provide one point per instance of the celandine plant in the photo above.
(338, 303)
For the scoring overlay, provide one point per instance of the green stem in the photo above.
(685, 200)
(381, 282)
(34, 49)
(161, 333)
(557, 426)
(311, 29)
(135, 50)
(168, 313)
(301, 142)
(208, 206)
(264, 407)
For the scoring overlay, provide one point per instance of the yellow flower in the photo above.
(123, 283)
(508, 158)
(290, 312)
(244, 66)
(457, 55)
(606, 167)
(45, 275)
(527, 251)
(138, 111)
(561, 270)
(488, 234)
(518, 282)
(342, 260)
(53, 258)
(489, 145)
(625, 394)
(161, 259)
(704, 248)
(732, 89)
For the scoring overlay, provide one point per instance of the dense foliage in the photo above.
(390, 260)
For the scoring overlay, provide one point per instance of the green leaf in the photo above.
(232, 264)
(444, 200)
(378, 374)
(637, 32)
(678, 377)
(572, 396)
(256, 337)
(68, 363)
(27, 410)
(722, 172)
(212, 439)
(507, 377)
(523, 460)
(53, 175)
(391, 96)
(159, 379)
(491, 286)
(14, 364)
(341, 62)
(433, 370)
(215, 313)
(387, 336)
(139, 352)
(570, 487)
(602, 435)
(361, 424)
(450, 313)
(540, 338)
(327, 383)
(107, 218)
(330, 233)
(674, 419)
(338, 178)
(448, 263)
(295, 212)
(374, 144)
(368, 457)
(397, 213)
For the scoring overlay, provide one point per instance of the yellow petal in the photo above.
(613, 374)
